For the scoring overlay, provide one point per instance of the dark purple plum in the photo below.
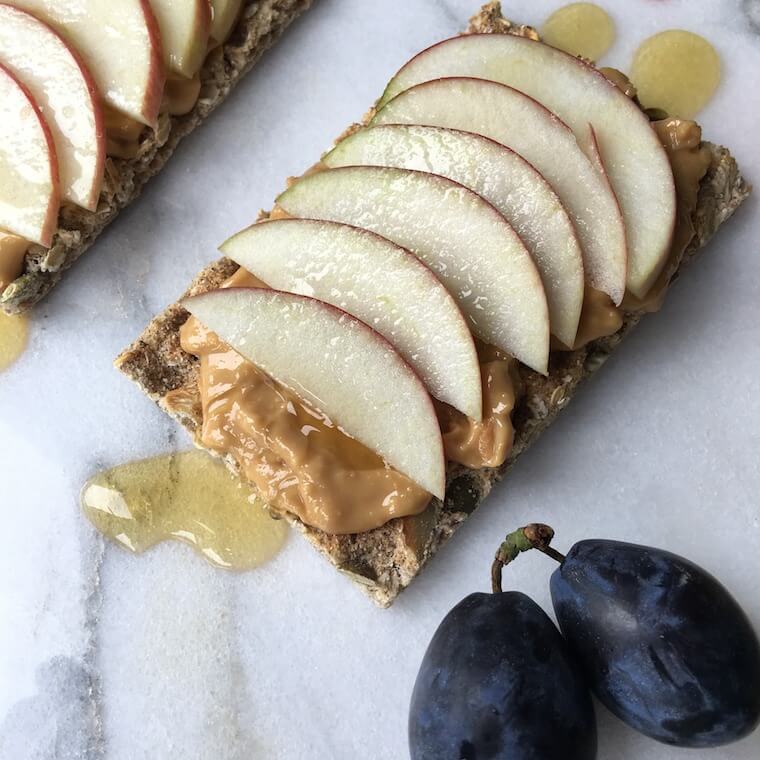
(497, 683)
(665, 647)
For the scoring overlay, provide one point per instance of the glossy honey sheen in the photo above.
(189, 497)
(676, 71)
(582, 29)
(13, 338)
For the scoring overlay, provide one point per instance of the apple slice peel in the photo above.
(120, 43)
(503, 178)
(467, 243)
(185, 28)
(637, 165)
(338, 364)
(377, 282)
(29, 185)
(66, 95)
(521, 123)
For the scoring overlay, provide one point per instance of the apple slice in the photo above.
(338, 364)
(225, 13)
(29, 190)
(65, 93)
(185, 30)
(120, 44)
(636, 162)
(460, 236)
(502, 177)
(377, 282)
(521, 123)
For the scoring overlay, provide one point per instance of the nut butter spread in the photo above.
(690, 161)
(302, 462)
(486, 443)
(179, 97)
(123, 133)
(296, 456)
(599, 318)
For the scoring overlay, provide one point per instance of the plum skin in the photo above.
(664, 645)
(497, 682)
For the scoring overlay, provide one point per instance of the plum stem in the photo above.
(533, 536)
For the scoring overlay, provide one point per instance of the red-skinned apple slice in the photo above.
(524, 125)
(377, 282)
(29, 190)
(500, 176)
(66, 95)
(579, 94)
(225, 13)
(338, 364)
(120, 44)
(185, 30)
(468, 244)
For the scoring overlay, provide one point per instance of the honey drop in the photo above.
(13, 337)
(581, 29)
(676, 71)
(189, 497)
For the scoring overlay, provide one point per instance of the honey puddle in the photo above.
(13, 337)
(676, 71)
(581, 29)
(187, 496)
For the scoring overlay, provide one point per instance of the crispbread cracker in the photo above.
(385, 560)
(259, 27)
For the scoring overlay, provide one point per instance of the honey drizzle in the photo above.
(14, 331)
(676, 71)
(581, 29)
(189, 497)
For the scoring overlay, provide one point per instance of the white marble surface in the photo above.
(107, 655)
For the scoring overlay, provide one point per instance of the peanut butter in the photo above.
(620, 81)
(12, 252)
(486, 443)
(180, 94)
(599, 318)
(296, 456)
(302, 462)
(690, 161)
(122, 133)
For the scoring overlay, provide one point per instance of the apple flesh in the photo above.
(29, 189)
(524, 125)
(65, 93)
(185, 30)
(377, 282)
(579, 94)
(468, 244)
(225, 13)
(503, 178)
(120, 44)
(339, 365)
